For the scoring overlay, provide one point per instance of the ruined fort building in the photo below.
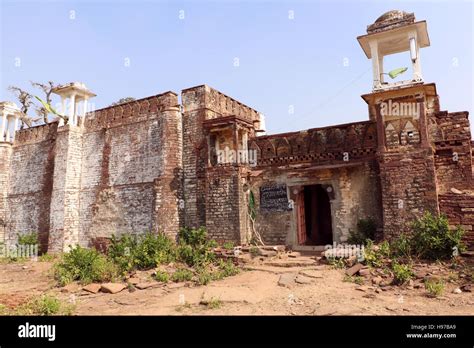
(155, 165)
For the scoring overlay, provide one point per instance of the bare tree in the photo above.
(47, 90)
(25, 99)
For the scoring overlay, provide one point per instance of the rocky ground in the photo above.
(274, 284)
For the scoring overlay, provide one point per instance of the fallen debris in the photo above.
(112, 288)
(286, 279)
(92, 288)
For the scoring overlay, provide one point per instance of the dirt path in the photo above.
(256, 291)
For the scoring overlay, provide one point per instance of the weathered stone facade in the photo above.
(156, 165)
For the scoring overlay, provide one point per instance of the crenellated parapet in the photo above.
(36, 134)
(131, 112)
(328, 145)
(217, 104)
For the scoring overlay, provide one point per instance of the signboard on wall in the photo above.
(274, 198)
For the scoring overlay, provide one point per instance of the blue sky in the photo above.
(284, 64)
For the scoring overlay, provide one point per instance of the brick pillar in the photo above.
(5, 155)
(408, 179)
(169, 203)
(194, 155)
(64, 214)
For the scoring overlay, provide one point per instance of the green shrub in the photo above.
(366, 229)
(28, 239)
(227, 268)
(47, 257)
(194, 248)
(432, 239)
(84, 265)
(374, 255)
(336, 262)
(141, 251)
(204, 276)
(44, 305)
(434, 287)
(192, 236)
(162, 276)
(402, 273)
(182, 275)
(253, 251)
(228, 245)
(354, 279)
(214, 303)
(401, 246)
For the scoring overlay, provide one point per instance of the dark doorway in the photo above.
(317, 211)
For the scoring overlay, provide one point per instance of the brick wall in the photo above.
(408, 188)
(453, 156)
(211, 194)
(460, 211)
(223, 204)
(119, 171)
(5, 154)
(356, 195)
(30, 185)
(322, 146)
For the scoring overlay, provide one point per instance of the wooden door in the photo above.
(300, 216)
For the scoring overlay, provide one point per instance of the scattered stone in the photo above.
(274, 247)
(351, 261)
(457, 291)
(362, 288)
(294, 254)
(73, 287)
(286, 279)
(354, 269)
(300, 279)
(456, 191)
(466, 288)
(267, 253)
(25, 267)
(370, 295)
(134, 281)
(311, 273)
(365, 272)
(143, 286)
(175, 285)
(112, 288)
(377, 280)
(93, 288)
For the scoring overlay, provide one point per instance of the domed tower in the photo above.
(394, 32)
(402, 110)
